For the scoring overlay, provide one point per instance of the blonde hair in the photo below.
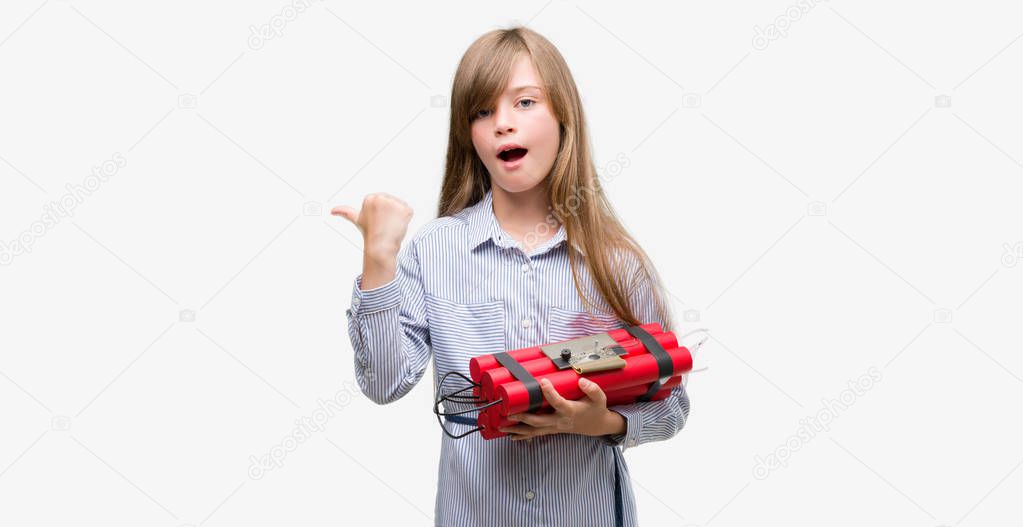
(592, 225)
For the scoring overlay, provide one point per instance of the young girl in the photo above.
(525, 251)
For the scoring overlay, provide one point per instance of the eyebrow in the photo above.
(523, 88)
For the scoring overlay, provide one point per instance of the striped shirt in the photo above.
(463, 288)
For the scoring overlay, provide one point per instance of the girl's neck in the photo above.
(522, 213)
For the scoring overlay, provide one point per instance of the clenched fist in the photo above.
(383, 221)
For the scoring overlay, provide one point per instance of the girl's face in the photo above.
(518, 139)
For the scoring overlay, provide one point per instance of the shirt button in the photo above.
(525, 268)
(355, 303)
(530, 495)
(526, 322)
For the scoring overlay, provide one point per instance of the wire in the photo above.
(692, 350)
(455, 397)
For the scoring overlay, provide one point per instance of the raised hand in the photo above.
(383, 221)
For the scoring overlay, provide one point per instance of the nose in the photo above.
(503, 122)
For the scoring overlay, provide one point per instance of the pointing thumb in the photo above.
(347, 213)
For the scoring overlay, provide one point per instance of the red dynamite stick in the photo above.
(483, 363)
(491, 433)
(488, 422)
(491, 379)
(641, 369)
(478, 365)
(623, 396)
(629, 395)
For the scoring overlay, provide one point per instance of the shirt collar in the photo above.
(483, 227)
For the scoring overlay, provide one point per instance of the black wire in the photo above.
(455, 397)
(453, 436)
(441, 422)
(464, 398)
(440, 386)
(458, 373)
(448, 397)
(459, 399)
(455, 394)
(484, 407)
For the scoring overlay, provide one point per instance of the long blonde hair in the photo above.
(591, 224)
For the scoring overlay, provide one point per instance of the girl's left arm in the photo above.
(655, 420)
(651, 421)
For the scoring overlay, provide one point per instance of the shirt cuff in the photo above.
(376, 299)
(633, 427)
(387, 296)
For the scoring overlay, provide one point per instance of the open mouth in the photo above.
(512, 155)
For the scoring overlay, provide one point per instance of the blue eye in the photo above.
(523, 101)
(482, 114)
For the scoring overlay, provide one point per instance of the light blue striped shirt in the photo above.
(464, 287)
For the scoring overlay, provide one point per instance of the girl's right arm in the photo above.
(387, 321)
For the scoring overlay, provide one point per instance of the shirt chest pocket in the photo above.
(459, 332)
(565, 324)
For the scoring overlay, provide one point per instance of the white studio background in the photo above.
(832, 188)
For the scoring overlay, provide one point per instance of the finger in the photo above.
(533, 433)
(593, 391)
(553, 397)
(536, 420)
(347, 213)
(524, 430)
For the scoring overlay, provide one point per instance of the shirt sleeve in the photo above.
(389, 332)
(655, 420)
